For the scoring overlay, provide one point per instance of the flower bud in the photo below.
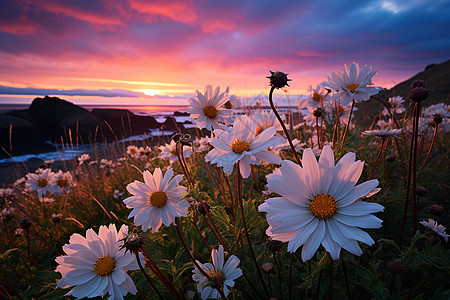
(417, 83)
(436, 210)
(394, 267)
(278, 79)
(317, 113)
(419, 94)
(25, 223)
(165, 237)
(132, 242)
(421, 191)
(437, 120)
(274, 245)
(268, 267)
(203, 208)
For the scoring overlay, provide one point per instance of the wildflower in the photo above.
(221, 274)
(62, 182)
(433, 227)
(19, 232)
(264, 120)
(168, 151)
(7, 213)
(56, 218)
(343, 112)
(208, 110)
(239, 143)
(46, 199)
(83, 158)
(383, 133)
(315, 99)
(396, 106)
(117, 194)
(40, 182)
(157, 201)
(352, 83)
(310, 118)
(96, 265)
(318, 205)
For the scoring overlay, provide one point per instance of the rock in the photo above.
(180, 114)
(25, 138)
(55, 118)
(171, 124)
(124, 123)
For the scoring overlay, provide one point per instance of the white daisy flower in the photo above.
(343, 112)
(396, 106)
(352, 83)
(41, 182)
(169, 151)
(62, 182)
(208, 109)
(264, 120)
(95, 265)
(434, 227)
(239, 143)
(318, 205)
(157, 201)
(83, 158)
(315, 99)
(383, 133)
(220, 274)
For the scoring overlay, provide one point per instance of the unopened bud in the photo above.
(417, 83)
(437, 120)
(317, 113)
(421, 191)
(436, 210)
(278, 79)
(268, 267)
(419, 94)
(25, 223)
(165, 236)
(274, 245)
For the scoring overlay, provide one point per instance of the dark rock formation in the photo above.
(171, 124)
(24, 138)
(55, 118)
(123, 123)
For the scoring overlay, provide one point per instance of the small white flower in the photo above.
(40, 182)
(395, 105)
(169, 151)
(434, 227)
(221, 274)
(383, 133)
(157, 201)
(264, 120)
(62, 182)
(352, 83)
(208, 110)
(95, 265)
(239, 143)
(315, 99)
(83, 158)
(117, 194)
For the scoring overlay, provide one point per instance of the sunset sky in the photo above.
(159, 52)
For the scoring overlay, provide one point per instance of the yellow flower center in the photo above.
(210, 111)
(240, 146)
(352, 87)
(216, 277)
(158, 199)
(62, 182)
(323, 206)
(174, 152)
(261, 129)
(316, 97)
(133, 151)
(42, 182)
(104, 265)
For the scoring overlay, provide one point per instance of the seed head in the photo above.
(421, 191)
(133, 242)
(25, 223)
(317, 113)
(268, 267)
(417, 83)
(436, 210)
(419, 94)
(278, 79)
(274, 245)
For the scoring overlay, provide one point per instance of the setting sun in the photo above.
(149, 92)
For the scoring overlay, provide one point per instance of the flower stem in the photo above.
(147, 277)
(431, 145)
(348, 124)
(331, 279)
(246, 230)
(383, 140)
(279, 275)
(414, 175)
(318, 135)
(283, 126)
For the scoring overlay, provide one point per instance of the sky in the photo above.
(159, 52)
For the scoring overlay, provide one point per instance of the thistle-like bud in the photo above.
(394, 267)
(25, 223)
(278, 79)
(268, 267)
(417, 83)
(436, 210)
(419, 94)
(274, 245)
(317, 113)
(421, 191)
(133, 242)
(437, 120)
